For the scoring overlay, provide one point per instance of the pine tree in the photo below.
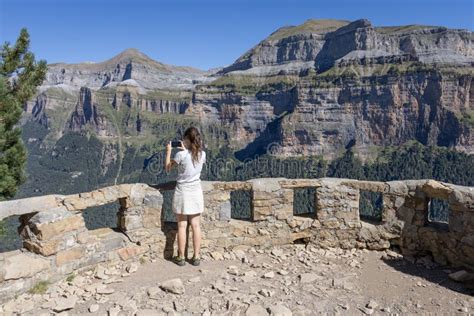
(20, 75)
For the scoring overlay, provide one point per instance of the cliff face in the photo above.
(325, 43)
(323, 118)
(379, 111)
(86, 113)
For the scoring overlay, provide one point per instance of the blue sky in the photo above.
(203, 34)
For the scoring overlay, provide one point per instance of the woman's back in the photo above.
(187, 171)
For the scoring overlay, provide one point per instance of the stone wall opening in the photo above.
(241, 205)
(9, 237)
(438, 214)
(304, 202)
(103, 216)
(370, 206)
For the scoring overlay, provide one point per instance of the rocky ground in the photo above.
(289, 280)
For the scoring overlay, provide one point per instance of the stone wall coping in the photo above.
(137, 191)
(72, 202)
(29, 205)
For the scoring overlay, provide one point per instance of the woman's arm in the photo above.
(168, 162)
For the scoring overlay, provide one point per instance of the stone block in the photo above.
(266, 184)
(138, 192)
(225, 211)
(331, 223)
(47, 226)
(261, 213)
(83, 237)
(76, 202)
(397, 188)
(153, 199)
(373, 186)
(261, 203)
(110, 194)
(46, 248)
(30, 205)
(299, 183)
(283, 214)
(462, 200)
(435, 189)
(112, 241)
(21, 265)
(262, 195)
(130, 221)
(69, 255)
(130, 252)
(455, 221)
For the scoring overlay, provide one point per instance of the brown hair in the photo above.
(194, 137)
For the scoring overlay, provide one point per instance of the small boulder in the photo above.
(94, 308)
(309, 277)
(173, 285)
(461, 276)
(269, 275)
(280, 310)
(256, 310)
(64, 303)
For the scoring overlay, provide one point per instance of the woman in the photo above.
(188, 199)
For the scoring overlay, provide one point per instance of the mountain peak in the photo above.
(131, 54)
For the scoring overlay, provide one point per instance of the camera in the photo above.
(175, 143)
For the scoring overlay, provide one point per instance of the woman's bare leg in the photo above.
(182, 223)
(196, 225)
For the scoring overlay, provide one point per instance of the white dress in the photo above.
(188, 197)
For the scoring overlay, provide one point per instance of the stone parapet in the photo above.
(56, 241)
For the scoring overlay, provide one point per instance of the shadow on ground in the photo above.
(438, 275)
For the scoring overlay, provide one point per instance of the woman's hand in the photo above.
(168, 148)
(182, 146)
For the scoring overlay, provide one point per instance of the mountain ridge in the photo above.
(128, 54)
(319, 43)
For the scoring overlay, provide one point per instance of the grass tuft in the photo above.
(40, 288)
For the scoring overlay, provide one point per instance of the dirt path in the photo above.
(290, 280)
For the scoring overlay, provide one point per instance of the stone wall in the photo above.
(56, 241)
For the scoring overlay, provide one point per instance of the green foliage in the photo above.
(9, 237)
(250, 85)
(304, 201)
(241, 204)
(468, 117)
(40, 288)
(320, 26)
(71, 276)
(19, 77)
(370, 205)
(346, 167)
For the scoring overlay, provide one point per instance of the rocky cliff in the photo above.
(320, 117)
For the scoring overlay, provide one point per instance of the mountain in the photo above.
(321, 44)
(131, 65)
(314, 89)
